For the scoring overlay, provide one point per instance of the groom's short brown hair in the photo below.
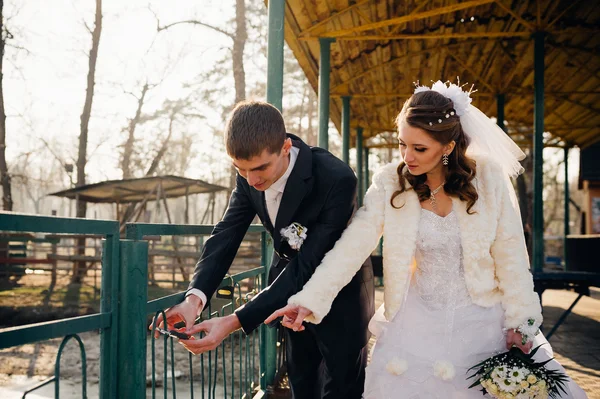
(252, 127)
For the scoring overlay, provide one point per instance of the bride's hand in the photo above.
(514, 338)
(292, 316)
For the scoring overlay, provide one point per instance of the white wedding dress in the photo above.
(426, 350)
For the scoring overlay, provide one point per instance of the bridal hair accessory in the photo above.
(295, 234)
(486, 138)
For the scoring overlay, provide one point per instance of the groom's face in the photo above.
(263, 170)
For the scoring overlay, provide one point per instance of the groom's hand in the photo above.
(292, 316)
(216, 330)
(186, 312)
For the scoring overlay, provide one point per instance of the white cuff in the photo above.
(199, 294)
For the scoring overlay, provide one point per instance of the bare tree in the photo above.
(7, 201)
(238, 38)
(133, 122)
(79, 267)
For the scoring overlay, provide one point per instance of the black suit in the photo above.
(325, 360)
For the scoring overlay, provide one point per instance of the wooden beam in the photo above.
(469, 69)
(421, 5)
(590, 141)
(385, 64)
(408, 18)
(575, 60)
(555, 20)
(306, 32)
(429, 36)
(395, 95)
(506, 8)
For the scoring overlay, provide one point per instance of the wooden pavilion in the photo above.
(535, 65)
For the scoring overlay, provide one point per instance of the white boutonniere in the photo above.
(295, 234)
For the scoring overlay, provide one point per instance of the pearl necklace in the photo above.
(432, 196)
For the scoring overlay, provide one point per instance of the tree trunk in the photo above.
(79, 267)
(128, 146)
(239, 75)
(7, 202)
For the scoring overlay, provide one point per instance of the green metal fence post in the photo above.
(346, 129)
(359, 164)
(538, 150)
(268, 336)
(108, 304)
(324, 69)
(133, 296)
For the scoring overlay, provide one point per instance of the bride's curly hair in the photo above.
(424, 110)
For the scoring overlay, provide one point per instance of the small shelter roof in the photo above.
(135, 190)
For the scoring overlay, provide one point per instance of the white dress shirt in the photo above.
(273, 196)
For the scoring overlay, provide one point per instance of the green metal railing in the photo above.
(248, 378)
(105, 321)
(124, 311)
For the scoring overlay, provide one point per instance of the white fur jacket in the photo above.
(496, 265)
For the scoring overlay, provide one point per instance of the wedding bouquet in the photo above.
(515, 375)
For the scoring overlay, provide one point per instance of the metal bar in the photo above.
(276, 10)
(51, 224)
(566, 216)
(15, 336)
(131, 343)
(359, 164)
(500, 101)
(563, 317)
(538, 157)
(38, 386)
(83, 366)
(346, 129)
(323, 98)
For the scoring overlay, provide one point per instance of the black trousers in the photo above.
(316, 373)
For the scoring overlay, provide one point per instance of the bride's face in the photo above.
(421, 152)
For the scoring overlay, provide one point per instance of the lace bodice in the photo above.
(439, 277)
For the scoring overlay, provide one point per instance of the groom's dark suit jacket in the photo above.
(320, 194)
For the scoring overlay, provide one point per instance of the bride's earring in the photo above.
(445, 159)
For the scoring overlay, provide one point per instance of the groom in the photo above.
(310, 193)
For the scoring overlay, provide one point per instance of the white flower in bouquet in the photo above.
(515, 375)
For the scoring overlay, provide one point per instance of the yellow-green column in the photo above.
(268, 355)
(324, 69)
(538, 149)
(567, 200)
(359, 164)
(346, 129)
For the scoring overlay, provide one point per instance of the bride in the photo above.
(456, 271)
